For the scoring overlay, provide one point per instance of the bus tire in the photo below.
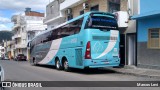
(66, 66)
(58, 65)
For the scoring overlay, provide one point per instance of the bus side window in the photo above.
(76, 31)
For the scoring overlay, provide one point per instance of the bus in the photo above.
(90, 40)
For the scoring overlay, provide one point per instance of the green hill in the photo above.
(5, 35)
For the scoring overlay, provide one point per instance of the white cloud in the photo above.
(4, 27)
(4, 20)
(20, 5)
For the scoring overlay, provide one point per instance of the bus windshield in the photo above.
(102, 22)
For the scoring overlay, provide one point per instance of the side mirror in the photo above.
(29, 44)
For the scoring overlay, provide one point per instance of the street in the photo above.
(23, 71)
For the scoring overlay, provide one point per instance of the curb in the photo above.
(140, 75)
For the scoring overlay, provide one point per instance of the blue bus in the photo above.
(90, 40)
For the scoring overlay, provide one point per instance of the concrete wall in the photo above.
(52, 10)
(149, 6)
(144, 25)
(103, 6)
(124, 5)
(149, 58)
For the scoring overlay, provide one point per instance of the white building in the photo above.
(25, 28)
(2, 51)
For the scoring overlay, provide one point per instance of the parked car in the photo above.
(20, 57)
(4, 58)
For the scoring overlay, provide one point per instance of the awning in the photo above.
(147, 14)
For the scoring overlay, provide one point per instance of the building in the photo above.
(148, 34)
(25, 28)
(2, 51)
(9, 50)
(59, 11)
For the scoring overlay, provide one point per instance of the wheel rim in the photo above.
(65, 65)
(57, 64)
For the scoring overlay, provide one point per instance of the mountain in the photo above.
(5, 35)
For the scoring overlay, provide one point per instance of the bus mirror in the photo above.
(28, 45)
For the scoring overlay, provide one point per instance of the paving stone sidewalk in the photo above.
(152, 73)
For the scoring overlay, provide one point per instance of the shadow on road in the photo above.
(87, 71)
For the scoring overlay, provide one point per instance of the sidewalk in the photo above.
(151, 73)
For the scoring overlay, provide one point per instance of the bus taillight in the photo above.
(88, 51)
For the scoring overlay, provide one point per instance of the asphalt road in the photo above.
(23, 71)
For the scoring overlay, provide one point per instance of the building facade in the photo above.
(60, 11)
(9, 49)
(2, 51)
(25, 28)
(148, 34)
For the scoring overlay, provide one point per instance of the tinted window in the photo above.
(46, 37)
(66, 30)
(95, 8)
(102, 22)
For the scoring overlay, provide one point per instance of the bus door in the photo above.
(80, 44)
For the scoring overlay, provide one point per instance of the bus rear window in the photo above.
(102, 22)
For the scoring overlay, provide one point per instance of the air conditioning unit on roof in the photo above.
(69, 11)
(85, 5)
(122, 18)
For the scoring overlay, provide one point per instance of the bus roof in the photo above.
(83, 15)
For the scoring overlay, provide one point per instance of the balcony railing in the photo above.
(69, 3)
(21, 46)
(36, 27)
(15, 26)
(8, 49)
(16, 36)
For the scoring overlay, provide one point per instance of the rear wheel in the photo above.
(66, 66)
(58, 65)
(34, 63)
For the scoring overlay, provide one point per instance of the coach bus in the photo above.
(90, 40)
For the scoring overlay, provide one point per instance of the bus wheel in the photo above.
(34, 63)
(58, 65)
(66, 66)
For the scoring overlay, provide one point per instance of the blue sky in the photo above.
(14, 7)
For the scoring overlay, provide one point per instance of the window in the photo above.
(95, 8)
(52, 9)
(114, 5)
(102, 22)
(69, 17)
(66, 30)
(81, 12)
(154, 38)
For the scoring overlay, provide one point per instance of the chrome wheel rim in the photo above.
(58, 65)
